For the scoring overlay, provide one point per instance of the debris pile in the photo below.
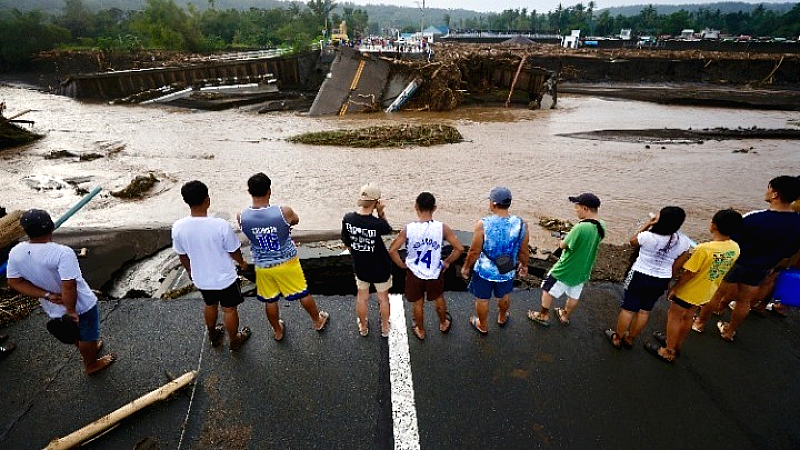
(137, 188)
(558, 225)
(15, 307)
(384, 136)
(11, 135)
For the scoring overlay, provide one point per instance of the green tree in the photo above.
(39, 35)
(162, 24)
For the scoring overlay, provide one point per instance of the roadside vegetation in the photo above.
(205, 26)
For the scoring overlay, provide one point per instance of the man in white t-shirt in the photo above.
(207, 248)
(50, 272)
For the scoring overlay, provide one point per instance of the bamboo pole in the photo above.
(110, 420)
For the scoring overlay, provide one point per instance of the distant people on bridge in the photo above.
(659, 244)
(498, 251)
(574, 266)
(207, 249)
(767, 237)
(362, 233)
(696, 285)
(278, 270)
(50, 272)
(425, 268)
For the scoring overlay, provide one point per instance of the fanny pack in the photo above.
(505, 263)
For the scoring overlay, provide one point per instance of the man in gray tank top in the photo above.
(278, 271)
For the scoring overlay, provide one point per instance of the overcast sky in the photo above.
(538, 5)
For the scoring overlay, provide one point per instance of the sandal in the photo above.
(696, 327)
(241, 338)
(627, 342)
(504, 322)
(418, 332)
(324, 317)
(539, 318)
(217, 335)
(560, 313)
(363, 331)
(653, 350)
(104, 363)
(661, 337)
(6, 349)
(474, 322)
(385, 333)
(283, 331)
(614, 339)
(722, 326)
(775, 307)
(449, 319)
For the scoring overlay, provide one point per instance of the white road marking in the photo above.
(404, 410)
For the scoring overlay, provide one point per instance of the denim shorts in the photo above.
(89, 325)
(483, 289)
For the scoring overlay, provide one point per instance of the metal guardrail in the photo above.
(256, 54)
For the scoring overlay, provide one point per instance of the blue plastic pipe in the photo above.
(86, 198)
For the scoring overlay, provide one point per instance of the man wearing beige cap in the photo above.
(361, 233)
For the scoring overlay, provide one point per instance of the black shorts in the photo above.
(416, 288)
(643, 292)
(683, 304)
(230, 297)
(746, 275)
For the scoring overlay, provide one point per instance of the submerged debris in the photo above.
(551, 224)
(137, 188)
(384, 136)
(13, 136)
(179, 292)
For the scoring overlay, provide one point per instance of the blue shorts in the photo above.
(746, 275)
(89, 325)
(643, 292)
(483, 289)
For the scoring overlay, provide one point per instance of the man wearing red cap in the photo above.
(575, 264)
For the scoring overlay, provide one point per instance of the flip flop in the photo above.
(109, 358)
(696, 328)
(503, 323)
(283, 331)
(474, 322)
(362, 331)
(610, 335)
(325, 316)
(559, 312)
(661, 337)
(417, 331)
(653, 350)
(721, 326)
(449, 325)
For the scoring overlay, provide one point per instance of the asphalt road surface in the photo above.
(523, 386)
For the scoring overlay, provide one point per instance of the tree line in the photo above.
(165, 24)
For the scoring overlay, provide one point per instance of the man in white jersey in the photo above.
(50, 272)
(424, 265)
(207, 249)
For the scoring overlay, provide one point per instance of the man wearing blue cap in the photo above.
(499, 249)
(575, 264)
(48, 271)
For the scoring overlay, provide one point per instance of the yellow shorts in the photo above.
(285, 280)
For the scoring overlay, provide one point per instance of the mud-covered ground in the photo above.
(688, 136)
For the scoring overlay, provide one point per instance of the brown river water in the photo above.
(514, 147)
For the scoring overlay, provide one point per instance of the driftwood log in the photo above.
(10, 229)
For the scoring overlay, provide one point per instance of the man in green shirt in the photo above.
(575, 264)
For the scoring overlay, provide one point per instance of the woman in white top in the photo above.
(659, 244)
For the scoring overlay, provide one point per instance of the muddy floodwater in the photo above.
(513, 147)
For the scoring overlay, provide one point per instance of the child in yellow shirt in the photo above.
(702, 273)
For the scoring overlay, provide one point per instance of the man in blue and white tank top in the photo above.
(278, 271)
(424, 266)
(496, 237)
